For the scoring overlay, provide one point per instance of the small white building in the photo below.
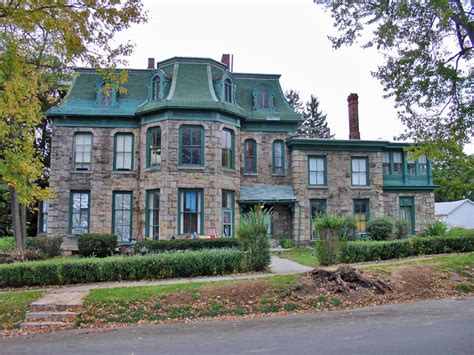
(456, 213)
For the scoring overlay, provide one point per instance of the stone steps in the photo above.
(59, 316)
(43, 324)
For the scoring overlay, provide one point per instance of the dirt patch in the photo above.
(418, 281)
(179, 298)
(236, 292)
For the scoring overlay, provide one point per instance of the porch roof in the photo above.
(266, 193)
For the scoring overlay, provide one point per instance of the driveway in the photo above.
(429, 327)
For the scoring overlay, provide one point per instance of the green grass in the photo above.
(7, 244)
(13, 306)
(459, 232)
(303, 256)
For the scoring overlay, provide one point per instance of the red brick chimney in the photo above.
(226, 60)
(151, 63)
(353, 103)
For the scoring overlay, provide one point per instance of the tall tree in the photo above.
(39, 40)
(293, 98)
(427, 46)
(314, 124)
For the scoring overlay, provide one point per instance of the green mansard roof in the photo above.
(191, 85)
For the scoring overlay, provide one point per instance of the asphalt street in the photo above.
(429, 327)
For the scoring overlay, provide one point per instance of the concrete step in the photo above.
(56, 301)
(43, 324)
(51, 316)
(51, 307)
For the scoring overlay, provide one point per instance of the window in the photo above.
(79, 210)
(317, 171)
(192, 145)
(106, 96)
(263, 98)
(155, 87)
(407, 212)
(360, 172)
(152, 214)
(361, 214)
(122, 215)
(191, 216)
(397, 163)
(317, 208)
(123, 152)
(422, 165)
(228, 90)
(411, 167)
(43, 217)
(227, 213)
(82, 152)
(153, 139)
(386, 163)
(278, 157)
(250, 156)
(227, 144)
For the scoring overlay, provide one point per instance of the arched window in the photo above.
(228, 90)
(155, 87)
(250, 157)
(263, 98)
(106, 96)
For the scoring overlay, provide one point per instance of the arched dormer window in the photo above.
(224, 88)
(263, 98)
(106, 95)
(158, 86)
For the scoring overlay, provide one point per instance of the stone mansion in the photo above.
(193, 145)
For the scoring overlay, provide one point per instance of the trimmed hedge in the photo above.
(154, 266)
(50, 246)
(156, 246)
(97, 244)
(393, 249)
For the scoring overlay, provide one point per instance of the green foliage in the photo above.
(385, 250)
(155, 246)
(97, 244)
(50, 246)
(164, 265)
(401, 228)
(287, 242)
(332, 243)
(254, 242)
(435, 228)
(349, 227)
(461, 232)
(7, 244)
(427, 48)
(380, 228)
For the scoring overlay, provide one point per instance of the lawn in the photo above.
(13, 306)
(300, 255)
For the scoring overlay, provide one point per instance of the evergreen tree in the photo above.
(293, 98)
(315, 124)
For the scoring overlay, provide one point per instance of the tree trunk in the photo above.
(18, 229)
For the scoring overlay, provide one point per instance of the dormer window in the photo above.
(228, 90)
(263, 98)
(106, 95)
(155, 88)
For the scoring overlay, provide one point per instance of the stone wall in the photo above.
(339, 192)
(424, 207)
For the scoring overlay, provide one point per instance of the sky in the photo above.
(273, 37)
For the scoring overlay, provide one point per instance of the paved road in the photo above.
(430, 327)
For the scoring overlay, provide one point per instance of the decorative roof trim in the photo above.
(211, 84)
(173, 82)
(191, 60)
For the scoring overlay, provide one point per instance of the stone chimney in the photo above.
(151, 63)
(226, 60)
(353, 103)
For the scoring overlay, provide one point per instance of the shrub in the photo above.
(401, 228)
(117, 268)
(156, 246)
(7, 244)
(349, 227)
(332, 242)
(96, 244)
(17, 256)
(435, 228)
(380, 228)
(286, 242)
(384, 250)
(254, 242)
(50, 246)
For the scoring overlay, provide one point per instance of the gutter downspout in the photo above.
(299, 223)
